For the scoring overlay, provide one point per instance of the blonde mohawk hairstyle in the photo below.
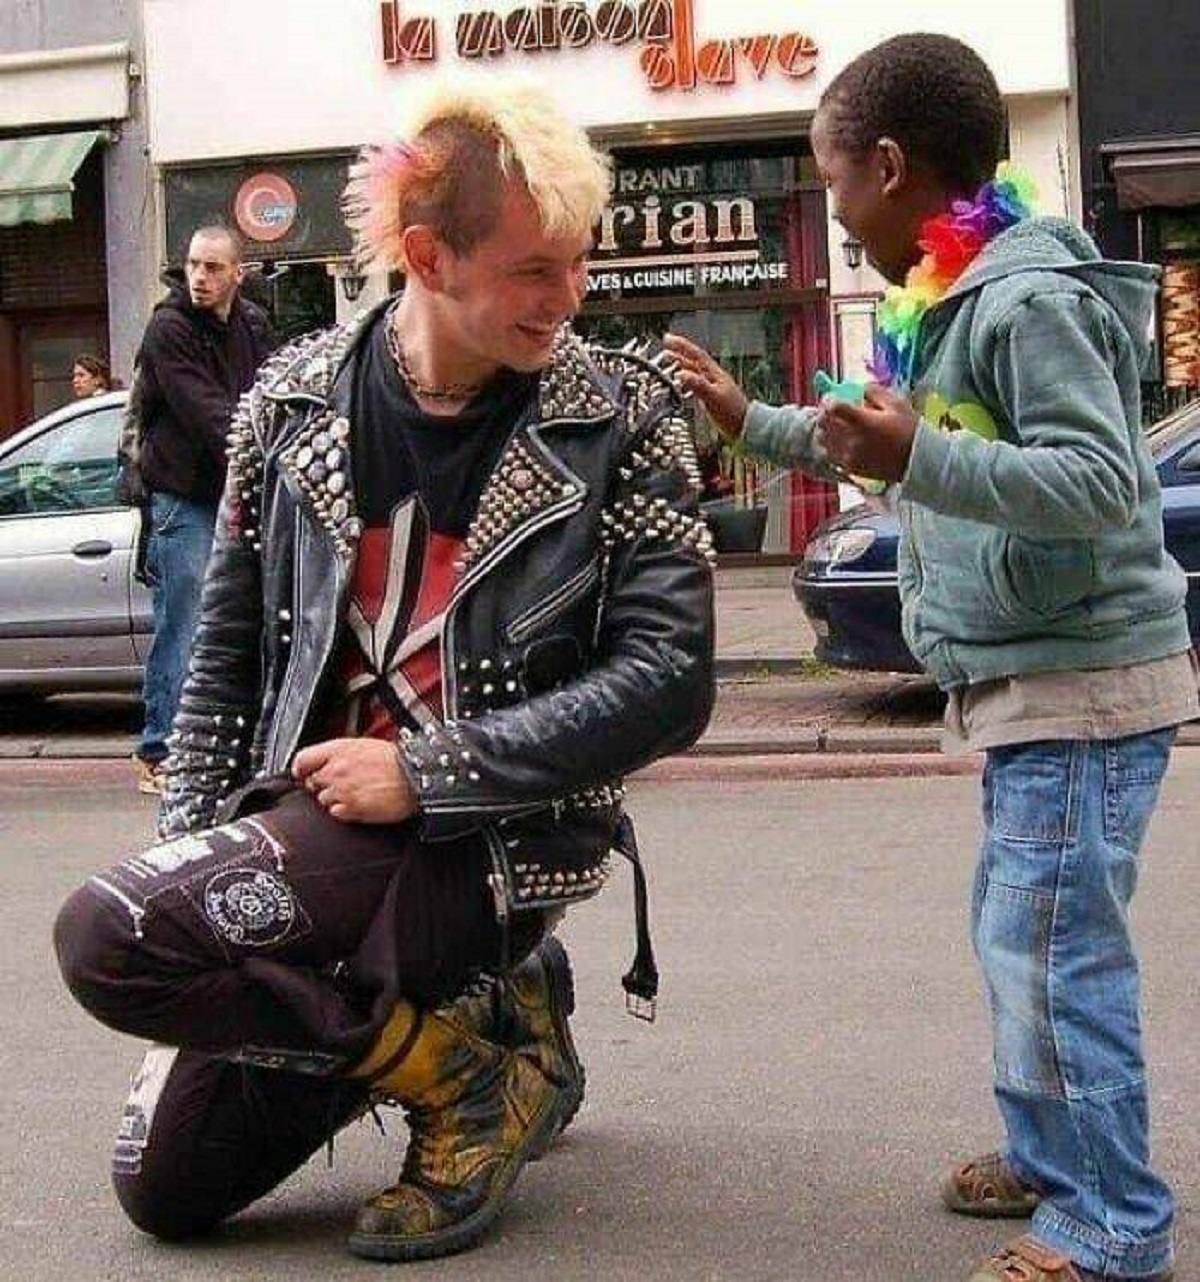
(465, 145)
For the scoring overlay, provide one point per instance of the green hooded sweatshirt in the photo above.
(1031, 517)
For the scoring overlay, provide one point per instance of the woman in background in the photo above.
(90, 376)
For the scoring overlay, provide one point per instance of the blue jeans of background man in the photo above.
(1063, 824)
(181, 535)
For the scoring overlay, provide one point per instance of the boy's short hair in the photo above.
(464, 147)
(933, 95)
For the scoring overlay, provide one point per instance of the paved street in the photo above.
(820, 1050)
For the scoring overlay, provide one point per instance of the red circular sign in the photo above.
(265, 207)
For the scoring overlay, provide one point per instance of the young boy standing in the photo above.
(1035, 588)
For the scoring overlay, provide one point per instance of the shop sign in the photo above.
(265, 207)
(666, 230)
(671, 54)
(288, 210)
(699, 273)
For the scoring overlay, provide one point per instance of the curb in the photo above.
(820, 739)
(736, 668)
(800, 741)
(68, 749)
(833, 740)
(811, 765)
(66, 773)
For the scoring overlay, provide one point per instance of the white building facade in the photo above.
(75, 197)
(719, 225)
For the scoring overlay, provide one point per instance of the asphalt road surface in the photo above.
(820, 1054)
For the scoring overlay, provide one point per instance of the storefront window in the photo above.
(1180, 232)
(753, 344)
(298, 296)
(1181, 324)
(1174, 239)
(730, 249)
(53, 302)
(287, 209)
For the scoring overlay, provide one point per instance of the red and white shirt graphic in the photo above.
(392, 664)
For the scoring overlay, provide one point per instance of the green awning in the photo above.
(37, 175)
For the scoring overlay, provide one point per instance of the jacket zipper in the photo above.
(280, 757)
(449, 675)
(473, 575)
(562, 596)
(289, 676)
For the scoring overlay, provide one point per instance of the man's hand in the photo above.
(357, 780)
(710, 384)
(873, 439)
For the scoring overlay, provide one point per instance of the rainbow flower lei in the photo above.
(951, 241)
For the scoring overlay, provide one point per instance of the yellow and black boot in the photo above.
(529, 1012)
(475, 1110)
(540, 1001)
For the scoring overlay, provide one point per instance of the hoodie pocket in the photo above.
(983, 585)
(1045, 579)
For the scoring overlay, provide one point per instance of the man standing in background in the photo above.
(200, 352)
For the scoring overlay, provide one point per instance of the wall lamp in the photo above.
(852, 252)
(353, 284)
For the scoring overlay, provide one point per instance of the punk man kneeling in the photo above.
(459, 589)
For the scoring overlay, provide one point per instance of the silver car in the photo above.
(72, 616)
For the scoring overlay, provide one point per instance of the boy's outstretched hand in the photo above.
(872, 439)
(710, 384)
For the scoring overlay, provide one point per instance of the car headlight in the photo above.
(837, 547)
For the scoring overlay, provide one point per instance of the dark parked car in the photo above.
(72, 616)
(847, 580)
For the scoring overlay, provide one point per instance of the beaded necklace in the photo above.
(951, 241)
(426, 391)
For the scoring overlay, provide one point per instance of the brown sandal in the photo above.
(1028, 1260)
(988, 1187)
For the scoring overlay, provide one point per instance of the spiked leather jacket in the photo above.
(577, 645)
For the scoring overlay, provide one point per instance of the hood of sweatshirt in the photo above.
(179, 299)
(1056, 245)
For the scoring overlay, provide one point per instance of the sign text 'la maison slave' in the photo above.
(670, 53)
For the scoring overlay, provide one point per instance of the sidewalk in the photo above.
(773, 698)
(760, 625)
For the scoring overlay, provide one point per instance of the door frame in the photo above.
(17, 331)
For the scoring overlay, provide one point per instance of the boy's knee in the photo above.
(93, 946)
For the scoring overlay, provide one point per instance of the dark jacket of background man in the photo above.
(195, 367)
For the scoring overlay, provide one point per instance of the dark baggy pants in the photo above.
(276, 942)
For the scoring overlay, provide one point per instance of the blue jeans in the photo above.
(1063, 825)
(181, 535)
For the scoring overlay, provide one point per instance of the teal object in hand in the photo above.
(851, 391)
(848, 389)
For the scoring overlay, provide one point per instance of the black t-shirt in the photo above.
(399, 449)
(418, 479)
